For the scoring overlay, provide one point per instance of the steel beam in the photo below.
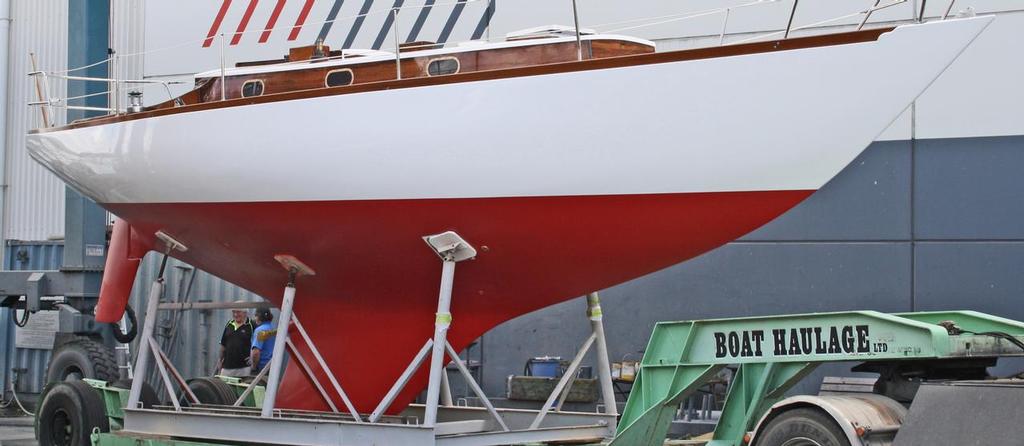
(516, 419)
(574, 434)
(256, 429)
(51, 283)
(212, 305)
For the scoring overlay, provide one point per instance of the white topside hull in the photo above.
(787, 120)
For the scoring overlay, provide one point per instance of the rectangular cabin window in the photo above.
(441, 67)
(252, 88)
(338, 78)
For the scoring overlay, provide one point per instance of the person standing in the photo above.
(262, 340)
(234, 344)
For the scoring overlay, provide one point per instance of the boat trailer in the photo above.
(438, 421)
(923, 360)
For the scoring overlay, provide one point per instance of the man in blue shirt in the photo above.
(262, 340)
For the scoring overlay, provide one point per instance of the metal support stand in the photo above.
(442, 320)
(149, 325)
(604, 365)
(281, 338)
(442, 422)
(446, 389)
(561, 391)
(401, 382)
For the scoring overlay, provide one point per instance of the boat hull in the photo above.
(565, 183)
(371, 305)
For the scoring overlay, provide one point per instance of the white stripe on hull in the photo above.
(787, 120)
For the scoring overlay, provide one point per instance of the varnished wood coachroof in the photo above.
(564, 67)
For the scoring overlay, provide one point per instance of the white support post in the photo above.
(401, 382)
(115, 87)
(148, 325)
(255, 382)
(568, 377)
(446, 389)
(475, 387)
(327, 370)
(604, 369)
(277, 358)
(398, 46)
(576, 21)
(294, 352)
(164, 376)
(442, 320)
(223, 77)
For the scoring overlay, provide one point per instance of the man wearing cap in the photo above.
(262, 340)
(234, 344)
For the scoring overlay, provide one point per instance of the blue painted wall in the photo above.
(88, 41)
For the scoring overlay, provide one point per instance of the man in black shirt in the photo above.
(235, 344)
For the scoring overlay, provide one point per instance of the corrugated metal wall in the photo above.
(127, 38)
(35, 198)
(196, 347)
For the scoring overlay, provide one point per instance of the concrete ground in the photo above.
(17, 431)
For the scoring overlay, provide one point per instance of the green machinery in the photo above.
(774, 353)
(116, 398)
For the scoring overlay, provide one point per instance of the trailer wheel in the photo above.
(82, 358)
(147, 397)
(802, 427)
(68, 414)
(210, 390)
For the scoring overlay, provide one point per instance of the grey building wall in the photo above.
(909, 225)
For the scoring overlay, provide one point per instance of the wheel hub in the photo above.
(62, 430)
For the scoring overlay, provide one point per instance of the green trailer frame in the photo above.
(775, 352)
(772, 353)
(116, 398)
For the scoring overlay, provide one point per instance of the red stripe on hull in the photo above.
(300, 20)
(216, 23)
(371, 305)
(244, 22)
(272, 21)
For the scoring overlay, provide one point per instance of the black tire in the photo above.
(82, 358)
(69, 413)
(802, 427)
(147, 397)
(211, 390)
(115, 327)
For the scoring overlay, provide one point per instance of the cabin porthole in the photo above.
(252, 87)
(339, 78)
(443, 66)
